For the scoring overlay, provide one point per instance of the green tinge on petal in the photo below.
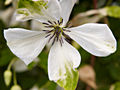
(70, 78)
(33, 6)
(113, 11)
(23, 11)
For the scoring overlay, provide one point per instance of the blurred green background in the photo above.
(106, 70)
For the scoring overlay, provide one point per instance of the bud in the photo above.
(16, 87)
(7, 77)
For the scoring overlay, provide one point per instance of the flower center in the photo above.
(57, 33)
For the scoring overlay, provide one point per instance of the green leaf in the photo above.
(117, 86)
(69, 82)
(31, 65)
(85, 55)
(31, 5)
(43, 60)
(6, 56)
(114, 66)
(49, 86)
(113, 11)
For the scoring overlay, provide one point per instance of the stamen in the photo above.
(46, 23)
(49, 31)
(66, 35)
(51, 37)
(58, 22)
(55, 22)
(45, 30)
(47, 35)
(67, 40)
(61, 21)
(66, 30)
(57, 35)
(61, 41)
(54, 41)
(50, 26)
(50, 22)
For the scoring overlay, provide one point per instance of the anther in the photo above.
(47, 35)
(50, 22)
(57, 35)
(67, 40)
(61, 21)
(54, 41)
(51, 37)
(46, 23)
(61, 41)
(66, 30)
(50, 26)
(66, 35)
(58, 22)
(55, 22)
(49, 31)
(45, 30)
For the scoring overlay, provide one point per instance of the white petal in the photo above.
(38, 10)
(36, 25)
(25, 44)
(94, 38)
(59, 57)
(54, 9)
(66, 6)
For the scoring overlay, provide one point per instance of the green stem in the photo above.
(14, 78)
(11, 63)
(95, 4)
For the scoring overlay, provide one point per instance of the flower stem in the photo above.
(92, 62)
(95, 4)
(14, 78)
(11, 63)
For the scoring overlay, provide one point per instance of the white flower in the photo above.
(97, 39)
(20, 66)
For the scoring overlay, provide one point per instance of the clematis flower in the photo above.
(63, 58)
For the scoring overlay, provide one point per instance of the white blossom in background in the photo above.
(63, 58)
(20, 66)
(8, 16)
